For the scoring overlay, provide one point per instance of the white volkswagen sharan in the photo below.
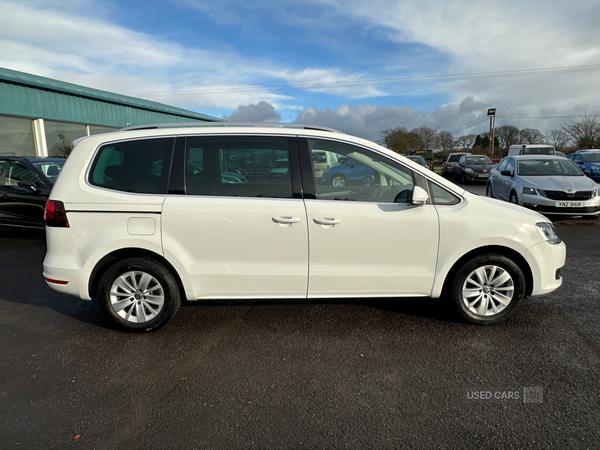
(145, 217)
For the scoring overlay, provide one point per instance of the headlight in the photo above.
(549, 232)
(529, 191)
(595, 167)
(468, 169)
(595, 192)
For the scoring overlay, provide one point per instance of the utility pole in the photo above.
(491, 112)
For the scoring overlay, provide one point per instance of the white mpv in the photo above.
(145, 217)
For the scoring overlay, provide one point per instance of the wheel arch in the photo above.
(104, 263)
(515, 256)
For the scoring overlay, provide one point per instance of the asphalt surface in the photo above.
(292, 375)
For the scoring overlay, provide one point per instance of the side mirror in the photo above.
(587, 172)
(30, 185)
(420, 196)
(506, 173)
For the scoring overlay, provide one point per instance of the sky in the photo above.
(354, 65)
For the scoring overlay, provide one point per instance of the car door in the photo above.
(21, 206)
(244, 239)
(368, 240)
(505, 182)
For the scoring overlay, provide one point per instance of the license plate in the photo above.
(570, 204)
(485, 175)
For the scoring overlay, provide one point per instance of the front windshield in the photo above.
(50, 168)
(591, 157)
(535, 167)
(478, 160)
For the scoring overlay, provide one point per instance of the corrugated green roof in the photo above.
(48, 84)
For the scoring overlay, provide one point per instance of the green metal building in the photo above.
(41, 116)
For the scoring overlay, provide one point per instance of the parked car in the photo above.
(281, 167)
(551, 185)
(419, 160)
(323, 160)
(349, 172)
(473, 168)
(25, 183)
(588, 162)
(140, 241)
(531, 149)
(450, 162)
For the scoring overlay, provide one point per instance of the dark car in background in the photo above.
(473, 168)
(450, 162)
(25, 183)
(588, 161)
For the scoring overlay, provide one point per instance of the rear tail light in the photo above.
(448, 165)
(55, 214)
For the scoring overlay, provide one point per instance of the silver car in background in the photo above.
(547, 184)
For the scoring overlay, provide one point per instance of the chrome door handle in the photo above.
(326, 221)
(287, 220)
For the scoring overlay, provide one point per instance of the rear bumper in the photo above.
(65, 265)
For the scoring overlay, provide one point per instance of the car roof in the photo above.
(589, 150)
(526, 157)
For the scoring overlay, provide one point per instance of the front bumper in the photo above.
(477, 176)
(545, 261)
(590, 208)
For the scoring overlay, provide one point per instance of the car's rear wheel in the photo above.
(138, 294)
(488, 289)
(367, 181)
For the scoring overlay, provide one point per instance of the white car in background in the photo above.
(141, 236)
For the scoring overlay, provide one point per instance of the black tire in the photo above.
(488, 190)
(160, 282)
(367, 181)
(513, 198)
(469, 301)
(463, 180)
(340, 180)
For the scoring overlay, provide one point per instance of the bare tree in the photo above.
(467, 140)
(584, 133)
(531, 136)
(427, 136)
(507, 135)
(559, 139)
(445, 141)
(399, 139)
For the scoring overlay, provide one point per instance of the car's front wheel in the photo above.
(513, 198)
(488, 289)
(138, 294)
(488, 190)
(339, 181)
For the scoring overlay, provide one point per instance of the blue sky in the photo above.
(360, 66)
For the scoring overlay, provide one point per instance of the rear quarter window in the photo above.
(140, 166)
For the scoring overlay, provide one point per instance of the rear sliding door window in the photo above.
(140, 166)
(230, 166)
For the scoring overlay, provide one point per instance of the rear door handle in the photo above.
(326, 221)
(285, 220)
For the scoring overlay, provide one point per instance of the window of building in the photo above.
(60, 136)
(16, 137)
(97, 129)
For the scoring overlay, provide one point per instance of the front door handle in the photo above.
(286, 220)
(326, 221)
